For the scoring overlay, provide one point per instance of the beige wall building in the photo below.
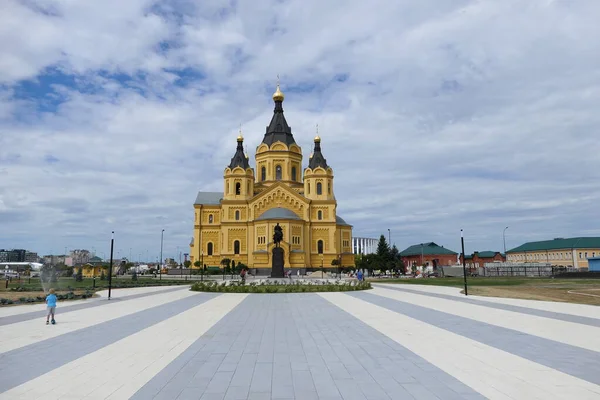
(570, 252)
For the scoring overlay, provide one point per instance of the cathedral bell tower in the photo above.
(318, 176)
(239, 177)
(278, 157)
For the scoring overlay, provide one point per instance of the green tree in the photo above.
(187, 264)
(383, 253)
(79, 276)
(134, 275)
(225, 262)
(197, 264)
(102, 276)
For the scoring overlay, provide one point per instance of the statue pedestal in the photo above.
(277, 264)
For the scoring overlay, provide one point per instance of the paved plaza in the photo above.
(392, 342)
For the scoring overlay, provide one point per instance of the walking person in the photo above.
(51, 306)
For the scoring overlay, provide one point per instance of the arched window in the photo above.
(236, 247)
(278, 172)
(308, 189)
(237, 215)
(238, 188)
(293, 173)
(319, 215)
(319, 188)
(209, 249)
(210, 219)
(263, 173)
(248, 191)
(328, 189)
(320, 247)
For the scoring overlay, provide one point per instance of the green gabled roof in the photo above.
(427, 249)
(487, 254)
(559, 244)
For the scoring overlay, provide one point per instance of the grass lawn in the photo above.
(582, 291)
(33, 288)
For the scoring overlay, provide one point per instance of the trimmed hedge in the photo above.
(41, 299)
(239, 287)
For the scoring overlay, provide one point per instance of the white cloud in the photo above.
(453, 114)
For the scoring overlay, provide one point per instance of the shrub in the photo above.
(79, 276)
(102, 276)
(134, 276)
(236, 287)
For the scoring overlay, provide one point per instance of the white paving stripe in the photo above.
(581, 310)
(561, 331)
(102, 296)
(494, 373)
(119, 370)
(32, 331)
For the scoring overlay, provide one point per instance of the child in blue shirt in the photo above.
(51, 305)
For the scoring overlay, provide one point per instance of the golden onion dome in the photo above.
(278, 95)
(240, 138)
(317, 139)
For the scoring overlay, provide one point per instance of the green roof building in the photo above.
(428, 254)
(568, 252)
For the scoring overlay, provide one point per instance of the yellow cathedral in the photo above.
(238, 222)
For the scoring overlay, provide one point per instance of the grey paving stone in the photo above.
(296, 346)
(219, 383)
(190, 394)
(524, 310)
(65, 307)
(562, 357)
(259, 396)
(237, 393)
(26, 363)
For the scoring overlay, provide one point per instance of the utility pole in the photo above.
(504, 240)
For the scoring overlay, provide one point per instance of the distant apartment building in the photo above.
(80, 256)
(31, 256)
(569, 252)
(14, 255)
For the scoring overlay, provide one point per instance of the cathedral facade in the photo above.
(238, 223)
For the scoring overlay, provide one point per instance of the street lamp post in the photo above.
(110, 268)
(389, 238)
(161, 249)
(321, 265)
(202, 266)
(504, 240)
(462, 243)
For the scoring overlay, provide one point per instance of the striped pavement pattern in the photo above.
(392, 342)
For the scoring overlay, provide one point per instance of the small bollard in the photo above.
(94, 283)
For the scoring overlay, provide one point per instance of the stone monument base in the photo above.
(277, 263)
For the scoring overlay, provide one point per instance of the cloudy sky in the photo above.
(436, 115)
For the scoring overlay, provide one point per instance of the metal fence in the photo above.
(523, 269)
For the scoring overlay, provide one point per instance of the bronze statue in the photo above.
(278, 235)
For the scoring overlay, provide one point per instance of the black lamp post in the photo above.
(321, 265)
(110, 268)
(202, 269)
(462, 243)
(161, 249)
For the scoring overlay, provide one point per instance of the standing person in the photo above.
(359, 275)
(51, 306)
